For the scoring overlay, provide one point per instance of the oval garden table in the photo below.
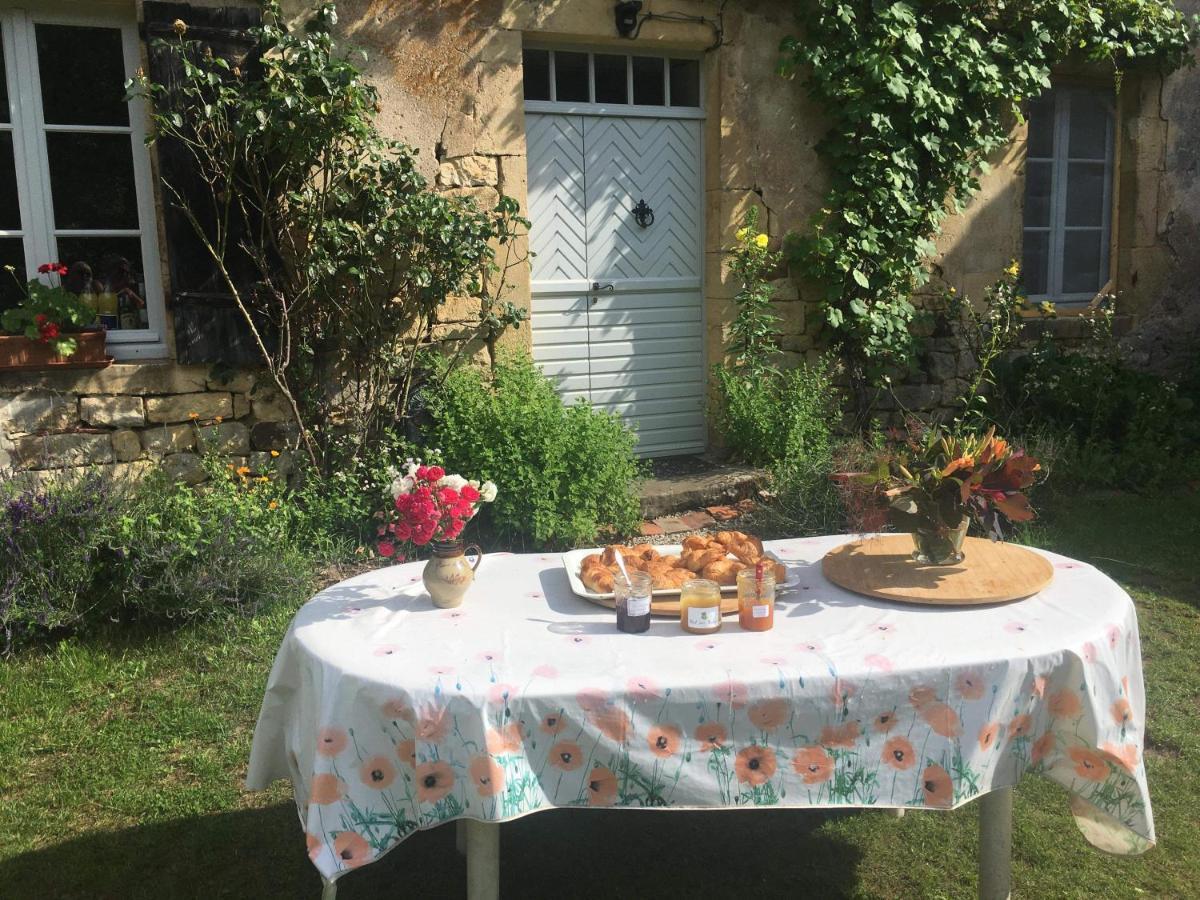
(391, 716)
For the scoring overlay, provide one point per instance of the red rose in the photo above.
(40, 318)
(469, 493)
(387, 549)
(448, 496)
(436, 473)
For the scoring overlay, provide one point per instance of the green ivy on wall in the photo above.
(918, 95)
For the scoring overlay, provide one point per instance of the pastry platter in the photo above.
(664, 600)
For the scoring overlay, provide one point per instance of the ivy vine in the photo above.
(918, 96)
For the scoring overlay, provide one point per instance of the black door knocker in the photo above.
(643, 214)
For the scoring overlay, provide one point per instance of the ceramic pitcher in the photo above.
(448, 574)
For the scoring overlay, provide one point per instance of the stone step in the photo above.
(679, 484)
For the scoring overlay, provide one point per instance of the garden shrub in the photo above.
(51, 542)
(565, 474)
(1112, 426)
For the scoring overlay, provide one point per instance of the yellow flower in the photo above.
(274, 453)
(742, 233)
(262, 479)
(762, 240)
(1014, 269)
(953, 289)
(272, 505)
(179, 27)
(193, 416)
(1046, 308)
(218, 419)
(243, 470)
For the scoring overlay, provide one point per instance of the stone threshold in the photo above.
(679, 484)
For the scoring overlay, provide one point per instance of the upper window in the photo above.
(1068, 194)
(75, 182)
(575, 76)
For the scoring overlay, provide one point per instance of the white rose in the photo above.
(402, 486)
(487, 492)
(410, 468)
(453, 481)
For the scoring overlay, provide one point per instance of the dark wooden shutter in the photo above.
(209, 327)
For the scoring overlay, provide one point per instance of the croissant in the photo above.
(592, 559)
(609, 556)
(672, 579)
(597, 579)
(746, 552)
(724, 572)
(646, 553)
(698, 559)
(672, 561)
(696, 542)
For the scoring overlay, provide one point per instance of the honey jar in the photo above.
(700, 606)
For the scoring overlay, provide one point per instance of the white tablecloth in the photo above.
(389, 715)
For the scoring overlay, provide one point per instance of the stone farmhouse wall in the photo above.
(450, 74)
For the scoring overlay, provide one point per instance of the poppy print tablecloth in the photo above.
(389, 715)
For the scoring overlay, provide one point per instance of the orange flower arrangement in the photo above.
(566, 755)
(434, 781)
(899, 754)
(601, 787)
(768, 715)
(352, 849)
(377, 772)
(937, 788)
(326, 788)
(487, 775)
(755, 765)
(710, 735)
(664, 740)
(1088, 763)
(813, 764)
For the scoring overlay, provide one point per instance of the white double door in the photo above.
(617, 306)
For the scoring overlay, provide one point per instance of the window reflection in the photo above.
(106, 272)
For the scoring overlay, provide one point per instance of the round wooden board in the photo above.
(991, 572)
(669, 606)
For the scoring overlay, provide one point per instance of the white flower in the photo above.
(453, 481)
(410, 468)
(402, 486)
(487, 492)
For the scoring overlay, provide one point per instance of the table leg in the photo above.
(329, 891)
(995, 845)
(460, 836)
(483, 860)
(897, 813)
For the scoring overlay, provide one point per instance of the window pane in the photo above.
(12, 253)
(83, 75)
(537, 74)
(4, 111)
(1036, 258)
(1081, 261)
(109, 269)
(1041, 126)
(685, 82)
(1037, 193)
(91, 180)
(1089, 125)
(648, 87)
(1085, 193)
(611, 79)
(10, 211)
(571, 76)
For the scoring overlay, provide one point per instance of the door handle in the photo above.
(597, 286)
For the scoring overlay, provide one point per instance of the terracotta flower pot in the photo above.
(20, 352)
(448, 575)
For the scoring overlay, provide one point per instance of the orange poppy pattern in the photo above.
(813, 764)
(799, 716)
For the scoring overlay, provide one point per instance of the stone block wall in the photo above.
(123, 419)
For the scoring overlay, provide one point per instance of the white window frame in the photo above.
(1059, 162)
(33, 170)
(591, 108)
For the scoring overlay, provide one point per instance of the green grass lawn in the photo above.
(121, 759)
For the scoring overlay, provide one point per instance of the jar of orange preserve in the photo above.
(756, 598)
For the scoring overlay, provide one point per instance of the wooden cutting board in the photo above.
(991, 572)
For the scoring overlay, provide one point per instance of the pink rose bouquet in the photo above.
(429, 505)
